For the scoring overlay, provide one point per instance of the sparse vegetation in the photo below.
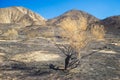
(77, 38)
(11, 34)
(32, 34)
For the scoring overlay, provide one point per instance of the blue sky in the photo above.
(53, 8)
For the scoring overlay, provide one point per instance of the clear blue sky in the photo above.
(53, 8)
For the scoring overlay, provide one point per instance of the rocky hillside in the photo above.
(112, 25)
(20, 15)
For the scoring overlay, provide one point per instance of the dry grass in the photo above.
(47, 34)
(11, 34)
(98, 32)
(32, 34)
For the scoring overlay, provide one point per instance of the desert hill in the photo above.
(20, 15)
(14, 19)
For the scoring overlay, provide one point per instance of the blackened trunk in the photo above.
(67, 60)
